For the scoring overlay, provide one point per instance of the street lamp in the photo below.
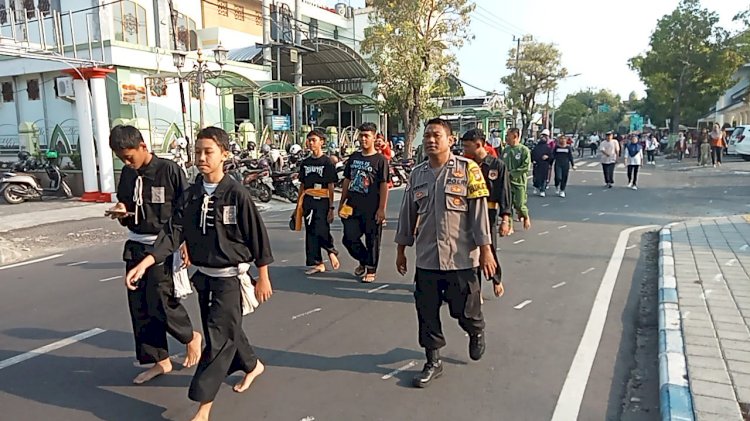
(200, 73)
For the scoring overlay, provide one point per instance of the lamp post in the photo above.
(200, 73)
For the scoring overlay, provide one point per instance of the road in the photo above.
(336, 349)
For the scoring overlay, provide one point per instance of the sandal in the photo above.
(359, 271)
(368, 278)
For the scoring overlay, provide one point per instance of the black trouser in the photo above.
(357, 225)
(460, 289)
(650, 155)
(593, 150)
(540, 172)
(154, 310)
(561, 175)
(227, 349)
(317, 230)
(680, 155)
(580, 151)
(716, 152)
(609, 173)
(633, 174)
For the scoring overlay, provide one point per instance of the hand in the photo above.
(487, 261)
(498, 289)
(330, 216)
(401, 265)
(117, 211)
(134, 276)
(526, 223)
(185, 256)
(504, 228)
(544, 157)
(380, 216)
(263, 290)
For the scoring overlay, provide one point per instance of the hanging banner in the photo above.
(132, 94)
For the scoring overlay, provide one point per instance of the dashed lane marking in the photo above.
(307, 313)
(49, 348)
(111, 278)
(28, 262)
(398, 370)
(602, 213)
(519, 241)
(585, 219)
(522, 305)
(589, 270)
(558, 285)
(545, 205)
(82, 262)
(544, 233)
(378, 288)
(590, 194)
(562, 226)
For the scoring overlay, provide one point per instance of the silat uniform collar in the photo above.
(149, 170)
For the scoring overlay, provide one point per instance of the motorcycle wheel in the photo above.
(396, 181)
(293, 196)
(12, 198)
(66, 190)
(264, 193)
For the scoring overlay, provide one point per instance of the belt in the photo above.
(249, 302)
(319, 193)
(492, 205)
(145, 239)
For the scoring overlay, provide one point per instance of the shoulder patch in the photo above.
(477, 185)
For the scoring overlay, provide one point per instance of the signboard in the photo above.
(636, 123)
(604, 108)
(132, 94)
(281, 122)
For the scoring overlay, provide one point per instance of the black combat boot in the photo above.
(476, 346)
(432, 369)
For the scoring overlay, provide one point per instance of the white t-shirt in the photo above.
(210, 188)
(634, 160)
(611, 148)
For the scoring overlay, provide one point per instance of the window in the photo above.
(223, 8)
(3, 13)
(44, 7)
(30, 8)
(130, 23)
(187, 39)
(313, 28)
(32, 89)
(239, 12)
(7, 91)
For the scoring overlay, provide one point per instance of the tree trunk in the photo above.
(676, 107)
(411, 121)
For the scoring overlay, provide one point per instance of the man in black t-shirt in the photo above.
(317, 175)
(365, 189)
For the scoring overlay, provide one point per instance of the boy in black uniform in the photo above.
(224, 233)
(365, 189)
(148, 191)
(315, 205)
(498, 184)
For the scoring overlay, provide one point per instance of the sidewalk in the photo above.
(704, 314)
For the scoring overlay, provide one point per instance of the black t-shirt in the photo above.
(317, 172)
(365, 173)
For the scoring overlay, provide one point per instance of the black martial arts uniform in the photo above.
(541, 165)
(562, 159)
(498, 203)
(317, 173)
(222, 230)
(151, 193)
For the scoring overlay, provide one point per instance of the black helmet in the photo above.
(23, 155)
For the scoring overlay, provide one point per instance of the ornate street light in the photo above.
(201, 73)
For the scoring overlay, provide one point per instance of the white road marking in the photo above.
(558, 285)
(82, 262)
(111, 278)
(602, 213)
(519, 241)
(584, 181)
(589, 270)
(562, 226)
(89, 230)
(616, 172)
(49, 348)
(544, 233)
(585, 219)
(398, 370)
(718, 278)
(378, 288)
(621, 165)
(710, 201)
(731, 262)
(627, 206)
(593, 164)
(630, 247)
(569, 400)
(522, 305)
(725, 192)
(284, 261)
(590, 194)
(545, 205)
(744, 247)
(307, 313)
(310, 418)
(28, 262)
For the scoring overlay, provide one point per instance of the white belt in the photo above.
(249, 302)
(146, 239)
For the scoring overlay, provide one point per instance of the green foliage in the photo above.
(581, 112)
(409, 44)
(690, 63)
(536, 70)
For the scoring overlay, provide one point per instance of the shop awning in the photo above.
(276, 89)
(320, 95)
(359, 99)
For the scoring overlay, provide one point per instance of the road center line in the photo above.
(558, 285)
(519, 241)
(307, 313)
(49, 348)
(562, 226)
(585, 219)
(378, 288)
(602, 213)
(82, 262)
(398, 370)
(28, 262)
(544, 233)
(111, 278)
(545, 205)
(590, 194)
(589, 270)
(89, 230)
(522, 305)
(571, 396)
(630, 247)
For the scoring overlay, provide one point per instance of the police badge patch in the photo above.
(492, 175)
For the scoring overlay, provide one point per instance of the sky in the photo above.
(596, 38)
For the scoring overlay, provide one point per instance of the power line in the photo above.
(507, 23)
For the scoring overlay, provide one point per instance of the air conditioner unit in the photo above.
(64, 87)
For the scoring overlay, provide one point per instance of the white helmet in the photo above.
(295, 149)
(545, 132)
(181, 142)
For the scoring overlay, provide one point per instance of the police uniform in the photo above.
(223, 231)
(151, 193)
(498, 201)
(444, 211)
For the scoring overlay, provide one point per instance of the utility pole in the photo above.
(518, 74)
(267, 103)
(298, 70)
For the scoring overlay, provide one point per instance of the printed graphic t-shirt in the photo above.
(316, 173)
(365, 173)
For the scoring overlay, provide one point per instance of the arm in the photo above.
(345, 184)
(254, 231)
(407, 218)
(505, 202)
(383, 186)
(570, 157)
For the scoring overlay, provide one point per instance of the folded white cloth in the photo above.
(180, 277)
(249, 302)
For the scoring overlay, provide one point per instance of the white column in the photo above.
(101, 124)
(86, 140)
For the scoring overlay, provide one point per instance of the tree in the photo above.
(571, 115)
(536, 69)
(690, 63)
(409, 44)
(590, 111)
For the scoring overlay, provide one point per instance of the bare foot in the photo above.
(162, 367)
(245, 383)
(204, 410)
(334, 261)
(193, 351)
(316, 269)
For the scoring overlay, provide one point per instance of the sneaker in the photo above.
(634, 187)
(542, 194)
(630, 184)
(558, 190)
(562, 194)
(536, 191)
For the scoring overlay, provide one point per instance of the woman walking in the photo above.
(562, 159)
(634, 160)
(705, 149)
(718, 143)
(651, 146)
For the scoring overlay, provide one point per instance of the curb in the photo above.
(674, 391)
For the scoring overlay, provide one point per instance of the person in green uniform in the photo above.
(517, 158)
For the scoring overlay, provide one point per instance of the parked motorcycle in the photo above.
(18, 187)
(398, 174)
(259, 183)
(286, 185)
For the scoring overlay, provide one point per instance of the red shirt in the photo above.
(490, 150)
(386, 151)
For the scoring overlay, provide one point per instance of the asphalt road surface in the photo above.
(336, 349)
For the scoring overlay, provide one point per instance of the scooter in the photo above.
(18, 187)
(259, 183)
(286, 185)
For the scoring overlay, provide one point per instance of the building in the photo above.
(733, 107)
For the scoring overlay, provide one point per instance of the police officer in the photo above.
(498, 183)
(445, 211)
